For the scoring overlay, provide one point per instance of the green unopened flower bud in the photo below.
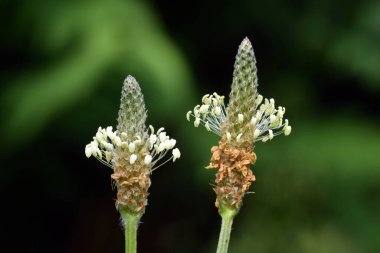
(132, 113)
(241, 106)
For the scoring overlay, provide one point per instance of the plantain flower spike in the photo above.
(132, 150)
(247, 119)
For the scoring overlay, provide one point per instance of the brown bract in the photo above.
(132, 182)
(234, 175)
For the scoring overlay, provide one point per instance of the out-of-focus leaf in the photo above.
(124, 35)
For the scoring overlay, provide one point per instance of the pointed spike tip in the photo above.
(130, 81)
(246, 43)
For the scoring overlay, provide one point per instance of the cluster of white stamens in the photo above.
(267, 122)
(212, 113)
(150, 149)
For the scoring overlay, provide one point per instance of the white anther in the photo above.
(270, 134)
(148, 159)
(161, 147)
(263, 107)
(99, 136)
(270, 109)
(132, 159)
(110, 134)
(272, 118)
(88, 150)
(280, 112)
(152, 139)
(206, 100)
(256, 133)
(217, 111)
(162, 136)
(240, 118)
(108, 146)
(238, 137)
(137, 142)
(204, 109)
(259, 99)
(258, 115)
(188, 114)
(221, 100)
(104, 134)
(207, 126)
(95, 151)
(287, 130)
(214, 102)
(94, 145)
(131, 147)
(108, 156)
(253, 121)
(176, 154)
(197, 113)
(99, 154)
(173, 141)
(124, 144)
(228, 134)
(117, 141)
(168, 144)
(197, 121)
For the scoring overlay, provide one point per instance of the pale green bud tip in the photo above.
(131, 82)
(246, 44)
(132, 113)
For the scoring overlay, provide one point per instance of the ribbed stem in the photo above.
(130, 229)
(225, 231)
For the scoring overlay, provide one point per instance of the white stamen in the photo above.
(188, 114)
(88, 150)
(287, 130)
(131, 147)
(176, 154)
(148, 159)
(256, 133)
(240, 118)
(197, 121)
(238, 137)
(132, 159)
(270, 134)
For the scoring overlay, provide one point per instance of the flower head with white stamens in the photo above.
(247, 119)
(132, 150)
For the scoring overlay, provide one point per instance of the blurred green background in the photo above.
(63, 64)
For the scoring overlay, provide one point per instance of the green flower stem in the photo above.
(225, 231)
(130, 229)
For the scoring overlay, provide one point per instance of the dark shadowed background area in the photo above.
(62, 67)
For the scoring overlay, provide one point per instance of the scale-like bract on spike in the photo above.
(132, 113)
(243, 93)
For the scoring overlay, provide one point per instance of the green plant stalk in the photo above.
(227, 215)
(130, 222)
